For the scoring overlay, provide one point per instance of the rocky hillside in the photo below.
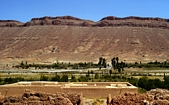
(66, 38)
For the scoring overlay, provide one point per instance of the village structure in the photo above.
(88, 89)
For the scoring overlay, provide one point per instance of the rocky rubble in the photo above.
(40, 98)
(153, 97)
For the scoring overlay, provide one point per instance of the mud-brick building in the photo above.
(88, 89)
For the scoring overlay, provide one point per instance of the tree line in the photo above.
(116, 65)
(143, 82)
(102, 63)
(58, 65)
(152, 64)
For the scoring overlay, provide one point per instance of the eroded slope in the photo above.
(49, 43)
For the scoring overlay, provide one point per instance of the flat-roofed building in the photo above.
(88, 89)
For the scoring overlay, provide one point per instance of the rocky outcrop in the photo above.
(40, 98)
(134, 17)
(110, 21)
(59, 17)
(10, 23)
(62, 20)
(153, 97)
(133, 21)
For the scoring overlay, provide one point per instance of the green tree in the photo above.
(22, 64)
(142, 82)
(43, 78)
(64, 78)
(73, 79)
(82, 79)
(110, 72)
(56, 78)
(104, 63)
(117, 59)
(113, 62)
(100, 61)
(166, 81)
(96, 76)
(88, 74)
(92, 74)
(116, 65)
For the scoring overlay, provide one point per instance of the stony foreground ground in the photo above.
(40, 98)
(153, 97)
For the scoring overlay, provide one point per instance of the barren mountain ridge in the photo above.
(70, 39)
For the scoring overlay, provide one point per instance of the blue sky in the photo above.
(24, 10)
